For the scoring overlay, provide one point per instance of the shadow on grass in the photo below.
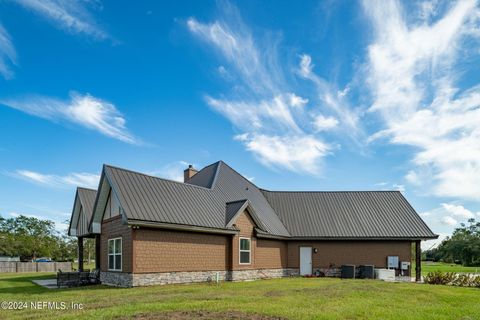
(23, 285)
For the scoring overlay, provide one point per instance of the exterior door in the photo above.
(305, 260)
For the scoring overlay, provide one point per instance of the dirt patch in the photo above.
(201, 315)
(275, 293)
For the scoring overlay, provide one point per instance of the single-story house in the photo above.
(219, 225)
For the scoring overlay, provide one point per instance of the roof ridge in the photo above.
(235, 201)
(241, 175)
(89, 189)
(329, 191)
(155, 177)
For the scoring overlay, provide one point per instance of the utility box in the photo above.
(385, 274)
(392, 262)
(348, 271)
(405, 265)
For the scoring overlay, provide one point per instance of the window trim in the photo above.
(114, 254)
(240, 251)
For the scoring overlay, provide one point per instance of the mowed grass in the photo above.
(447, 267)
(292, 298)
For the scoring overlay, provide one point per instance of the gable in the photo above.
(107, 204)
(81, 212)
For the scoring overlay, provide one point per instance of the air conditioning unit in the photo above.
(348, 271)
(367, 272)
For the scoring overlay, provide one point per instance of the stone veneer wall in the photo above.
(124, 279)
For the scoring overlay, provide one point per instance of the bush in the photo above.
(453, 279)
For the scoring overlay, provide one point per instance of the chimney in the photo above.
(189, 172)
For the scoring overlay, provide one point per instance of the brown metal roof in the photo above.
(211, 198)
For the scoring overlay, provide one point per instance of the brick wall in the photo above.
(159, 250)
(114, 228)
(349, 252)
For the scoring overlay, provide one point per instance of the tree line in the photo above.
(463, 247)
(30, 238)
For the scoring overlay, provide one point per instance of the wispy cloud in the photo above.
(82, 179)
(85, 110)
(278, 125)
(172, 170)
(412, 74)
(8, 56)
(69, 15)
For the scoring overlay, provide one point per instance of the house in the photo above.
(219, 225)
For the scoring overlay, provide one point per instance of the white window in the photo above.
(245, 251)
(115, 254)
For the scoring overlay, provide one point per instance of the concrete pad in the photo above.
(48, 283)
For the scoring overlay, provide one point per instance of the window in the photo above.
(115, 254)
(245, 251)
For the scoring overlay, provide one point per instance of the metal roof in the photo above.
(82, 211)
(87, 199)
(212, 198)
(348, 214)
(151, 198)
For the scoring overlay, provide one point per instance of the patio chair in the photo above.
(94, 276)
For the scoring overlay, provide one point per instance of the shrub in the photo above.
(453, 279)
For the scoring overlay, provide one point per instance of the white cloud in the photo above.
(322, 123)
(447, 220)
(82, 179)
(332, 98)
(447, 216)
(172, 171)
(7, 54)
(263, 105)
(412, 74)
(69, 15)
(85, 110)
(384, 185)
(296, 153)
(458, 210)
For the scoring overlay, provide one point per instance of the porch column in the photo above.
(97, 251)
(80, 253)
(418, 261)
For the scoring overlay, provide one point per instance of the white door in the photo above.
(305, 260)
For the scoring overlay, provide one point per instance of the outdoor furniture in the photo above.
(83, 277)
(80, 278)
(95, 276)
(67, 279)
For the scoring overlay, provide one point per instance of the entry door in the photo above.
(305, 260)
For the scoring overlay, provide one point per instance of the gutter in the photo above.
(180, 227)
(264, 235)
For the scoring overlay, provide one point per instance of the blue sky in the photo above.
(327, 95)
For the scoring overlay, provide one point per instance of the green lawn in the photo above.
(292, 298)
(446, 267)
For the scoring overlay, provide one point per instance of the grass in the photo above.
(447, 267)
(292, 298)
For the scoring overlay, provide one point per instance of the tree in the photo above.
(30, 237)
(463, 245)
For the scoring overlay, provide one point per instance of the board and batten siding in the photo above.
(356, 252)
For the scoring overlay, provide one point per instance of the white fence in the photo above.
(35, 266)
